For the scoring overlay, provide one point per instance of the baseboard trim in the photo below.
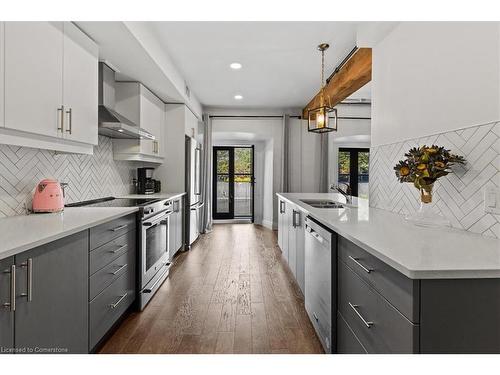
(267, 224)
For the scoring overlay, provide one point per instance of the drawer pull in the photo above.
(114, 305)
(365, 322)
(119, 269)
(118, 249)
(355, 260)
(119, 228)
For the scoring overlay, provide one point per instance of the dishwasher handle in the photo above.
(315, 234)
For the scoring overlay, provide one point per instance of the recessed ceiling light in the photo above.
(235, 65)
(238, 97)
(120, 130)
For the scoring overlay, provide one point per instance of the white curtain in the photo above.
(285, 161)
(206, 176)
(323, 163)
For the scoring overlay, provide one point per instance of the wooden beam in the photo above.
(355, 73)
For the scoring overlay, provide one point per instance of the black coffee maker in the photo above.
(145, 182)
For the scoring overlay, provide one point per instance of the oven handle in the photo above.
(157, 221)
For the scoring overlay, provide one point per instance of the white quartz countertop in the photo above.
(168, 196)
(417, 252)
(24, 232)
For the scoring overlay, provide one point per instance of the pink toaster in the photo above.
(48, 196)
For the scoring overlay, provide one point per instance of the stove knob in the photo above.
(147, 211)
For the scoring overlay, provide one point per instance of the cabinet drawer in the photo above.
(108, 306)
(347, 342)
(378, 325)
(399, 290)
(105, 276)
(109, 231)
(105, 254)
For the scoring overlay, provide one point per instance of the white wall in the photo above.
(432, 77)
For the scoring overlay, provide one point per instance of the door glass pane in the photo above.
(223, 161)
(363, 165)
(242, 160)
(344, 167)
(242, 195)
(222, 193)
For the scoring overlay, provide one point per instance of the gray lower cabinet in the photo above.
(6, 310)
(347, 342)
(52, 296)
(112, 276)
(383, 311)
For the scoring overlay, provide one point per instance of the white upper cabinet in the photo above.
(50, 88)
(80, 85)
(138, 104)
(33, 77)
(2, 50)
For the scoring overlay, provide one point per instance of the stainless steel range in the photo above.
(153, 221)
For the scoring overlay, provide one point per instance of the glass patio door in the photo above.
(353, 170)
(233, 189)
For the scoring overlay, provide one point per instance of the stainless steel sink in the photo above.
(322, 203)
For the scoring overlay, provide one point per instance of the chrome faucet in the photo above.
(346, 194)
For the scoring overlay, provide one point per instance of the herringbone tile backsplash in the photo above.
(89, 176)
(458, 196)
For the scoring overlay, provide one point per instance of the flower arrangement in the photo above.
(424, 165)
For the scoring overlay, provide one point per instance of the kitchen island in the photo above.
(399, 288)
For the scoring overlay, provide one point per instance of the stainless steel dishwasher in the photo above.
(320, 281)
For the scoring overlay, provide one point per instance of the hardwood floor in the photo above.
(231, 293)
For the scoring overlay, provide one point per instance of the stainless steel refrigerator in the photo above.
(194, 201)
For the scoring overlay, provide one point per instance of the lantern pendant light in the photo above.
(323, 118)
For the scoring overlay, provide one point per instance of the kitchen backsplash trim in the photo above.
(88, 176)
(458, 196)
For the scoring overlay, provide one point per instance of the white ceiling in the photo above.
(281, 65)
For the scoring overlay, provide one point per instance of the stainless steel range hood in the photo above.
(111, 123)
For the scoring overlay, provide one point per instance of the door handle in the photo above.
(69, 112)
(29, 279)
(60, 125)
(12, 304)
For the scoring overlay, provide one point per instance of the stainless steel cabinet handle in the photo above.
(119, 269)
(69, 112)
(355, 260)
(282, 207)
(118, 249)
(296, 223)
(114, 305)
(60, 125)
(365, 322)
(29, 279)
(119, 228)
(12, 304)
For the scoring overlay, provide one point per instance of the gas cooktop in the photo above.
(114, 202)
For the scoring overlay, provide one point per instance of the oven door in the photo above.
(154, 236)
